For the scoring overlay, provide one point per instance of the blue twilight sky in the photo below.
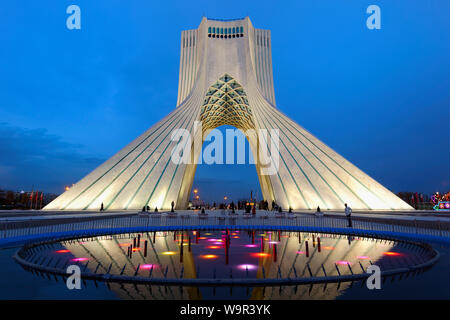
(70, 99)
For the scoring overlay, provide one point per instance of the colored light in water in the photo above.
(260, 255)
(136, 249)
(208, 256)
(362, 257)
(201, 238)
(273, 242)
(392, 254)
(219, 243)
(207, 234)
(148, 266)
(62, 251)
(247, 266)
(343, 262)
(236, 237)
(251, 245)
(213, 247)
(124, 244)
(168, 253)
(80, 259)
(327, 248)
(300, 252)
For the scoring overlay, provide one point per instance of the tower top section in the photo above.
(226, 46)
(226, 20)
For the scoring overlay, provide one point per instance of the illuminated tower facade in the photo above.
(226, 79)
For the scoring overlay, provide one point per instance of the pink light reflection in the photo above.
(343, 262)
(80, 259)
(247, 266)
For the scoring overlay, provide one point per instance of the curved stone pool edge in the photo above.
(102, 277)
(224, 281)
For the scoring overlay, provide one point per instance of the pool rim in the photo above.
(226, 281)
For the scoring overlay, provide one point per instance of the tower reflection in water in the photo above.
(244, 254)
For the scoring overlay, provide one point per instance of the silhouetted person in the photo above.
(348, 214)
(148, 208)
(172, 205)
(232, 207)
(318, 209)
(290, 210)
(203, 210)
(279, 209)
(101, 207)
(273, 204)
(156, 209)
(143, 209)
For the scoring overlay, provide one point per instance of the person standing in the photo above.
(348, 214)
(172, 204)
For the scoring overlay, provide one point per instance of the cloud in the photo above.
(34, 158)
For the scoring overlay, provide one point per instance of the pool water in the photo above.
(221, 254)
(231, 254)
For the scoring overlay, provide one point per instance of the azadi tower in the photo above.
(226, 79)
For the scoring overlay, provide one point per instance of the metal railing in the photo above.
(411, 230)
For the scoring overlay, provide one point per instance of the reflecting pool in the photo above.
(226, 254)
